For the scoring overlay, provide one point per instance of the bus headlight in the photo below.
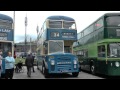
(117, 64)
(75, 61)
(52, 62)
(75, 66)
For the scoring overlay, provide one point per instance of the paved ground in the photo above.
(39, 75)
(23, 75)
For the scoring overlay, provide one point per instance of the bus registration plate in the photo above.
(64, 70)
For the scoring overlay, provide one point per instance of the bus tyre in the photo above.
(45, 71)
(42, 69)
(75, 74)
(92, 69)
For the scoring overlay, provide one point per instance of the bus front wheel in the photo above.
(45, 71)
(75, 74)
(92, 69)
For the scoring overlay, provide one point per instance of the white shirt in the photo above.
(9, 62)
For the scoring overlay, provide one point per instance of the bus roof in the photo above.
(111, 14)
(106, 14)
(60, 18)
(5, 17)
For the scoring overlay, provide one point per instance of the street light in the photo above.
(30, 46)
(13, 25)
(37, 29)
(25, 32)
(13, 52)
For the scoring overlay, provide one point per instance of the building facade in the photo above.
(20, 47)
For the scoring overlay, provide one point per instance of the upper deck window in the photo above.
(113, 21)
(99, 24)
(78, 36)
(5, 24)
(69, 25)
(62, 24)
(55, 24)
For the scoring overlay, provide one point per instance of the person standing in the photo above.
(33, 57)
(29, 63)
(9, 66)
(0, 62)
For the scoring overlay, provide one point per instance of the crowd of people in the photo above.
(10, 64)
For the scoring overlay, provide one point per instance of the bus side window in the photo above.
(45, 48)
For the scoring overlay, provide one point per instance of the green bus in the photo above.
(98, 46)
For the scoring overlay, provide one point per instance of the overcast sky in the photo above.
(83, 19)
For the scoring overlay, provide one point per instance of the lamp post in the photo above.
(14, 46)
(13, 25)
(25, 32)
(37, 29)
(30, 46)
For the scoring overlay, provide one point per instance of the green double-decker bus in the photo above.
(98, 46)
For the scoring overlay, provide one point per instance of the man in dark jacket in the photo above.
(32, 62)
(29, 64)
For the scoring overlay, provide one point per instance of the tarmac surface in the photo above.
(38, 75)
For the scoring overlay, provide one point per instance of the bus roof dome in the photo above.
(5, 17)
(61, 18)
(111, 14)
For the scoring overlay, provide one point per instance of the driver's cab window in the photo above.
(101, 51)
(67, 49)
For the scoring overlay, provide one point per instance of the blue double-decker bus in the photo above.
(6, 38)
(54, 46)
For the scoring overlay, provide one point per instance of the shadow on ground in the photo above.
(104, 76)
(60, 76)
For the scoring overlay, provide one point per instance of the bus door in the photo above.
(86, 60)
(81, 59)
(5, 47)
(102, 54)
